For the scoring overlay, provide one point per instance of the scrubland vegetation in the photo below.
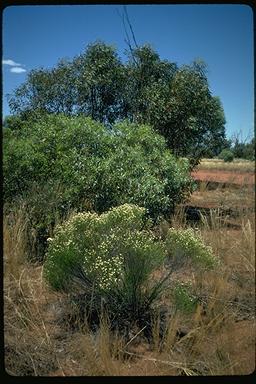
(201, 321)
(123, 291)
(105, 273)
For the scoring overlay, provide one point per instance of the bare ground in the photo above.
(221, 176)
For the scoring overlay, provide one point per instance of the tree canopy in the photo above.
(175, 101)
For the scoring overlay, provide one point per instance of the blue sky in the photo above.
(221, 35)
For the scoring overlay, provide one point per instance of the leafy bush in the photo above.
(73, 163)
(62, 151)
(42, 168)
(226, 155)
(184, 245)
(110, 257)
(141, 170)
(183, 298)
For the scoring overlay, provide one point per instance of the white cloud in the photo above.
(15, 67)
(11, 62)
(17, 70)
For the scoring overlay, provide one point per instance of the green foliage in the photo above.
(109, 256)
(99, 82)
(13, 123)
(54, 149)
(244, 150)
(184, 300)
(185, 113)
(143, 71)
(143, 172)
(227, 155)
(21, 163)
(51, 166)
(90, 84)
(58, 163)
(176, 101)
(46, 90)
(106, 263)
(217, 146)
(249, 151)
(98, 244)
(185, 245)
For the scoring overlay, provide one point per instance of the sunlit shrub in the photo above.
(112, 252)
(105, 262)
(186, 245)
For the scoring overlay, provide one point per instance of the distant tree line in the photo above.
(238, 149)
(244, 150)
(175, 101)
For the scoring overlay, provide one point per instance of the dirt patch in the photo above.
(228, 177)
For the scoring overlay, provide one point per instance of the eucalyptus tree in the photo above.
(99, 82)
(175, 101)
(48, 90)
(183, 110)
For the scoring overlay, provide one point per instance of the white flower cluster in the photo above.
(189, 244)
(99, 243)
(109, 271)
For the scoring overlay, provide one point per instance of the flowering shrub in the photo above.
(110, 249)
(185, 244)
(112, 256)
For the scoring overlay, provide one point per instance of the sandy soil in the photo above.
(247, 178)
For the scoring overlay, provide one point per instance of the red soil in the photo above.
(229, 177)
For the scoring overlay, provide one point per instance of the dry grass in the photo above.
(218, 338)
(237, 165)
(14, 230)
(243, 196)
